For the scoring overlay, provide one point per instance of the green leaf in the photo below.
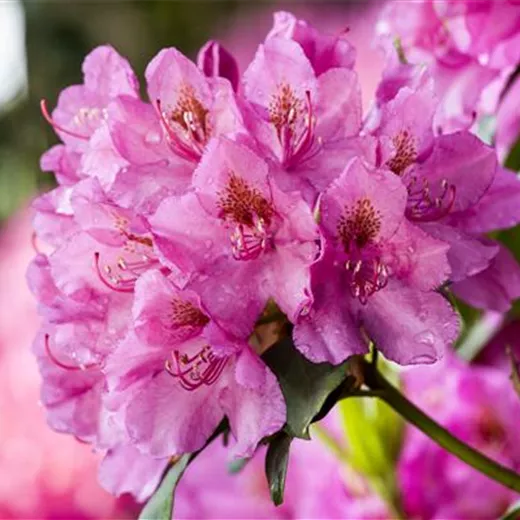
(160, 506)
(513, 159)
(305, 385)
(276, 461)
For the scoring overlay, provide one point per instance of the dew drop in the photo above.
(152, 138)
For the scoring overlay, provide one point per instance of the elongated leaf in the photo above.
(160, 506)
(305, 385)
(276, 461)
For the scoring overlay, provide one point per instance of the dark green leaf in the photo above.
(276, 462)
(513, 159)
(160, 506)
(305, 385)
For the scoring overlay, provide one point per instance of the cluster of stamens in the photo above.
(357, 229)
(187, 126)
(85, 117)
(250, 214)
(121, 276)
(423, 205)
(295, 126)
(203, 368)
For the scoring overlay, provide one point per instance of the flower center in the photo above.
(203, 368)
(187, 125)
(137, 256)
(184, 313)
(405, 152)
(295, 126)
(358, 229)
(250, 214)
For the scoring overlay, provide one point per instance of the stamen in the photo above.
(204, 368)
(114, 282)
(251, 216)
(358, 229)
(58, 363)
(294, 126)
(48, 118)
(366, 277)
(187, 127)
(422, 206)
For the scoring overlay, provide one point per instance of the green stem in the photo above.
(440, 435)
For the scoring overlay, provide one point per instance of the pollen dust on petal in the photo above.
(284, 108)
(184, 313)
(189, 112)
(405, 152)
(240, 203)
(359, 225)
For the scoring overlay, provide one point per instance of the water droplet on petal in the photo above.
(152, 138)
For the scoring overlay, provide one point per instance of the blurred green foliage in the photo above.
(58, 36)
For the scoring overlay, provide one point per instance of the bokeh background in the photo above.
(42, 45)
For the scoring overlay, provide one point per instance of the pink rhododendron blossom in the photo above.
(238, 232)
(455, 189)
(304, 123)
(377, 262)
(176, 363)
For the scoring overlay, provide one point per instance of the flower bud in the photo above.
(215, 61)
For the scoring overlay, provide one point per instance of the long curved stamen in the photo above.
(58, 363)
(191, 153)
(366, 278)
(116, 283)
(300, 148)
(48, 118)
(204, 368)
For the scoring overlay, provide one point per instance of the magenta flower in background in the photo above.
(317, 487)
(42, 474)
(463, 399)
(470, 47)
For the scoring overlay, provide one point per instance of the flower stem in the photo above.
(375, 381)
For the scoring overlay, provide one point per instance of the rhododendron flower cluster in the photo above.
(227, 201)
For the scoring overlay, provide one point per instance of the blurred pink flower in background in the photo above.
(42, 474)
